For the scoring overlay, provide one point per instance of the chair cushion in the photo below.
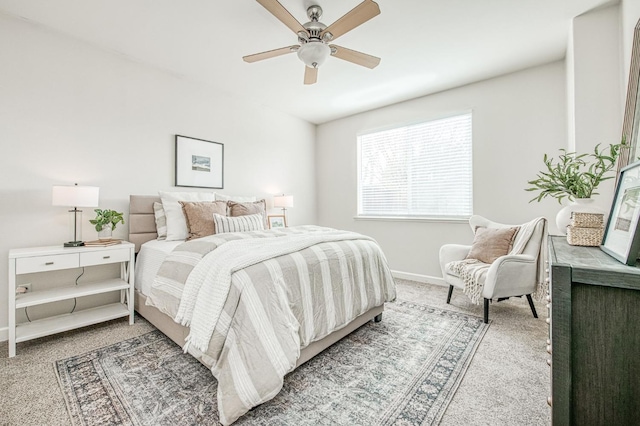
(491, 243)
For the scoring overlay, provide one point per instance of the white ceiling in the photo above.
(426, 46)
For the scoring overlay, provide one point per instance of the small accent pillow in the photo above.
(161, 220)
(176, 222)
(250, 222)
(199, 217)
(491, 243)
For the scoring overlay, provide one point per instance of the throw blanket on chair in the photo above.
(474, 272)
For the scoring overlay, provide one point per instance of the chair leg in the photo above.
(449, 295)
(533, 308)
(486, 310)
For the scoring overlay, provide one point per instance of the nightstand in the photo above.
(44, 259)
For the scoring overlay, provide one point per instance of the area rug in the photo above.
(403, 370)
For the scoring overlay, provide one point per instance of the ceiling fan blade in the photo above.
(269, 54)
(354, 56)
(355, 17)
(282, 14)
(310, 75)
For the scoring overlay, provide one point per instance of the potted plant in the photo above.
(575, 177)
(106, 222)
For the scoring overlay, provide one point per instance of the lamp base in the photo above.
(74, 244)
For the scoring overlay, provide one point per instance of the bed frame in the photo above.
(142, 228)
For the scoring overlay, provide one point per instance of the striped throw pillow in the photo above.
(250, 222)
(161, 220)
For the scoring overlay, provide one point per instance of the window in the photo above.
(417, 171)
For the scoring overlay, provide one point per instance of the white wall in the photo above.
(516, 119)
(571, 93)
(70, 112)
(594, 87)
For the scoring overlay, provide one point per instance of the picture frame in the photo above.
(277, 221)
(622, 234)
(631, 124)
(199, 163)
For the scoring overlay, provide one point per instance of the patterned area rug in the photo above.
(403, 370)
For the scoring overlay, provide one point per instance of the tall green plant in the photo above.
(106, 218)
(575, 176)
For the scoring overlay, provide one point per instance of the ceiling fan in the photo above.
(314, 37)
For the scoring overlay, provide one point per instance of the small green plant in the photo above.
(575, 176)
(106, 218)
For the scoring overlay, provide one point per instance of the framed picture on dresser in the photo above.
(199, 163)
(622, 235)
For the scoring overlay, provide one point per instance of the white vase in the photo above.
(580, 205)
(105, 234)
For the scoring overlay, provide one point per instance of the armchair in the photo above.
(518, 273)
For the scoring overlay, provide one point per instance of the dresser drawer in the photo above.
(27, 265)
(103, 257)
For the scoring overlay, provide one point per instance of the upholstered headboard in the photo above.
(142, 221)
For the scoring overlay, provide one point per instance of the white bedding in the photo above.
(150, 257)
(283, 289)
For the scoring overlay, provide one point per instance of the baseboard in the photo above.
(4, 334)
(428, 279)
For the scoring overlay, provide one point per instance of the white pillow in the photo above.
(250, 222)
(222, 197)
(161, 220)
(176, 222)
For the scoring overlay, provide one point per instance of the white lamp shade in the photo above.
(76, 196)
(283, 201)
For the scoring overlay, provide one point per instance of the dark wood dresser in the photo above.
(594, 337)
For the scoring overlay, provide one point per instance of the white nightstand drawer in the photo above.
(27, 265)
(104, 256)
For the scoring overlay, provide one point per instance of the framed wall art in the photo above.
(199, 163)
(622, 236)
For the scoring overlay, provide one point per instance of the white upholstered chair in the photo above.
(509, 275)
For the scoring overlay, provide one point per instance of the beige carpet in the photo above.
(506, 384)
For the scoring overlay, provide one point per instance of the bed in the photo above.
(154, 259)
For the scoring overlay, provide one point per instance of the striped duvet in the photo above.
(283, 289)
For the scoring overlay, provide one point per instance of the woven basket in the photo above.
(587, 220)
(578, 236)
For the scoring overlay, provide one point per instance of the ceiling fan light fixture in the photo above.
(314, 37)
(314, 53)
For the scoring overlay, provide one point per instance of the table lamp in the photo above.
(75, 196)
(283, 201)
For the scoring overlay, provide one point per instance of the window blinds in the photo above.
(422, 170)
